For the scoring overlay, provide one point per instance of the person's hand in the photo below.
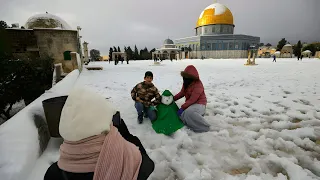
(153, 108)
(180, 111)
(139, 100)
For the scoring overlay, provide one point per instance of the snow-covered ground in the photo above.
(265, 119)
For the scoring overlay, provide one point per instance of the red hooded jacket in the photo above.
(194, 94)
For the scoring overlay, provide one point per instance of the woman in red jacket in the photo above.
(193, 110)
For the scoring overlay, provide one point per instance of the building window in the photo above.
(214, 46)
(193, 47)
(213, 29)
(217, 29)
(67, 55)
(225, 29)
(209, 46)
(245, 46)
(203, 47)
(236, 46)
(225, 46)
(231, 46)
(220, 46)
(205, 30)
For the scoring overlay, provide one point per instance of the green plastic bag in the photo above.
(152, 108)
(167, 121)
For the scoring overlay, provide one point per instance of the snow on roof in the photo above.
(168, 49)
(168, 42)
(47, 18)
(307, 51)
(277, 52)
(288, 45)
(219, 9)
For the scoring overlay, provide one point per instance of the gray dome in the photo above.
(168, 41)
(47, 21)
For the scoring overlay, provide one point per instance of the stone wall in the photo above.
(227, 54)
(23, 43)
(55, 42)
(75, 63)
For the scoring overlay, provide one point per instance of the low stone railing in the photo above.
(20, 143)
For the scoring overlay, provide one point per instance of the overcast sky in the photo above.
(148, 22)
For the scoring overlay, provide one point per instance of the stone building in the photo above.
(266, 51)
(167, 51)
(46, 35)
(214, 36)
(287, 51)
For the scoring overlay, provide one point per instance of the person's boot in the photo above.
(140, 119)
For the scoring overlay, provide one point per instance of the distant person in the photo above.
(119, 59)
(274, 58)
(127, 60)
(301, 57)
(143, 94)
(193, 110)
(115, 60)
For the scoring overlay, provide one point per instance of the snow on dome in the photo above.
(306, 52)
(168, 41)
(215, 14)
(219, 9)
(48, 21)
(278, 52)
(288, 45)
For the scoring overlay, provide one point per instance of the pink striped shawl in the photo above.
(109, 156)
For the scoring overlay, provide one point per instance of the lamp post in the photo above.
(79, 43)
(85, 51)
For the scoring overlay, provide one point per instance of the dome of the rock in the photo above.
(215, 14)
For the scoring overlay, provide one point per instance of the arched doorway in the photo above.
(164, 55)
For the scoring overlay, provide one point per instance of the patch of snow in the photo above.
(19, 144)
(264, 120)
(219, 9)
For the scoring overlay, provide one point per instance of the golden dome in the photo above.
(215, 14)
